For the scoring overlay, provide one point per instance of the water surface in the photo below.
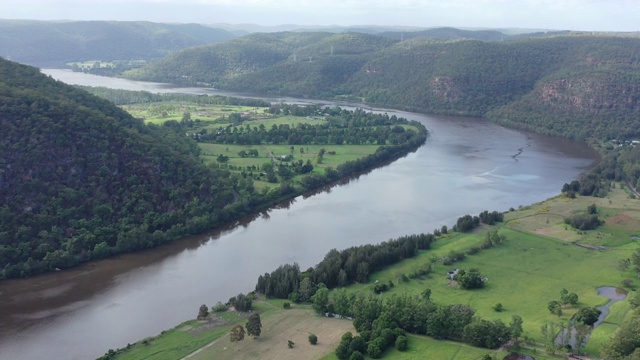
(466, 166)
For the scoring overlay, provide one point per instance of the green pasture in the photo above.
(175, 343)
(526, 271)
(424, 347)
(343, 153)
(161, 112)
(621, 216)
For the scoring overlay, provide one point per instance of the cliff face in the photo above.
(590, 94)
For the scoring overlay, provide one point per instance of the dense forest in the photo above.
(81, 179)
(574, 85)
(49, 43)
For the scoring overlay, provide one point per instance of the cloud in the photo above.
(614, 15)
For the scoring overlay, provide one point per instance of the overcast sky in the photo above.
(597, 15)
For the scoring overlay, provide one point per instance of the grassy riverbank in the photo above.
(540, 257)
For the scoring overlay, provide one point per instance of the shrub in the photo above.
(219, 307)
(401, 343)
(471, 279)
(313, 339)
(286, 305)
(583, 222)
(474, 250)
(290, 344)
(498, 307)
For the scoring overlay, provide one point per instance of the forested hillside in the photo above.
(45, 43)
(81, 179)
(573, 85)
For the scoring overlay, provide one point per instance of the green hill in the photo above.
(573, 85)
(46, 43)
(81, 179)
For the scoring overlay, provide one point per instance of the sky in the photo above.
(586, 15)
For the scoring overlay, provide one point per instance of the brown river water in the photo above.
(466, 166)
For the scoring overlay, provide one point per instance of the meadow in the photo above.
(523, 273)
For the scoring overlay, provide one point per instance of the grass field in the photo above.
(177, 342)
(161, 112)
(343, 153)
(524, 273)
(530, 269)
(279, 326)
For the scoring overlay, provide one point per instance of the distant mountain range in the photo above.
(48, 43)
(576, 85)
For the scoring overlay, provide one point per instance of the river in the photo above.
(466, 166)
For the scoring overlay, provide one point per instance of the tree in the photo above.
(313, 339)
(626, 340)
(237, 334)
(635, 300)
(555, 307)
(427, 294)
(290, 344)
(375, 348)
(356, 355)
(241, 302)
(401, 343)
(343, 351)
(254, 325)
(471, 279)
(635, 260)
(588, 315)
(624, 264)
(515, 327)
(203, 312)
(564, 296)
(357, 344)
(320, 299)
(581, 331)
(306, 289)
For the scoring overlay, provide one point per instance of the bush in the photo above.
(313, 339)
(356, 355)
(290, 344)
(401, 343)
(286, 305)
(241, 302)
(588, 316)
(498, 307)
(219, 307)
(583, 222)
(471, 279)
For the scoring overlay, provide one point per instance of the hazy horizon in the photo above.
(578, 15)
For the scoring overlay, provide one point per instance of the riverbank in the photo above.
(464, 168)
(538, 259)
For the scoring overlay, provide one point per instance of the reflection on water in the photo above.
(465, 167)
